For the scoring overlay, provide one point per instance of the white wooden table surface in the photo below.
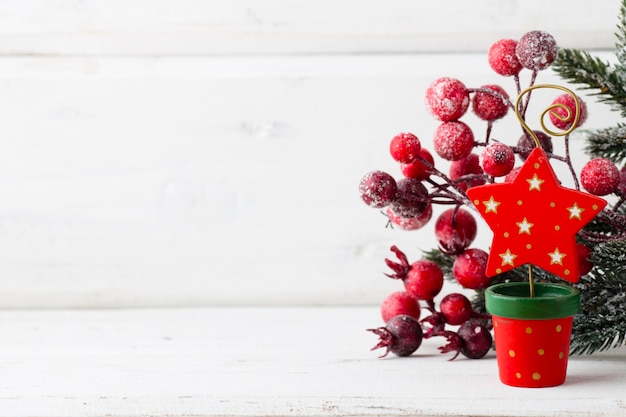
(263, 362)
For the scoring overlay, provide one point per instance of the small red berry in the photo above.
(402, 335)
(488, 106)
(411, 198)
(456, 308)
(477, 339)
(405, 147)
(511, 175)
(447, 99)
(536, 50)
(502, 58)
(453, 140)
(455, 230)
(424, 280)
(497, 159)
(600, 176)
(564, 119)
(411, 223)
(526, 144)
(467, 167)
(584, 259)
(399, 303)
(469, 269)
(418, 169)
(378, 189)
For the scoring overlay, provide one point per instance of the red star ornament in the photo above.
(534, 219)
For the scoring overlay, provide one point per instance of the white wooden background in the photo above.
(168, 153)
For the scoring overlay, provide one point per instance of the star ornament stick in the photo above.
(534, 219)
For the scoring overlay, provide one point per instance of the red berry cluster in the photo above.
(423, 281)
(408, 201)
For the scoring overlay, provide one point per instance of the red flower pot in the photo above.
(532, 334)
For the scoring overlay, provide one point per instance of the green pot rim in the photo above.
(551, 301)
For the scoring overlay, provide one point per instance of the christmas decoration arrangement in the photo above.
(553, 280)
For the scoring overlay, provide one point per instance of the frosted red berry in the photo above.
(469, 269)
(456, 308)
(453, 140)
(424, 280)
(418, 169)
(502, 58)
(477, 339)
(536, 50)
(378, 189)
(455, 230)
(467, 172)
(490, 106)
(600, 176)
(399, 303)
(497, 159)
(411, 198)
(447, 99)
(511, 175)
(564, 119)
(402, 335)
(411, 223)
(405, 147)
(525, 144)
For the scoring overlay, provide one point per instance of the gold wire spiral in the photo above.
(567, 117)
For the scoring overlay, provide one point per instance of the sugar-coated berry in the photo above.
(564, 112)
(455, 230)
(585, 265)
(378, 189)
(477, 339)
(405, 147)
(490, 106)
(468, 167)
(411, 223)
(453, 140)
(502, 57)
(418, 169)
(526, 144)
(497, 159)
(411, 198)
(536, 50)
(447, 99)
(456, 308)
(511, 175)
(399, 303)
(469, 269)
(599, 176)
(402, 335)
(424, 280)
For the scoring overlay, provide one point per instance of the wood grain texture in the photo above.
(263, 362)
(195, 181)
(193, 27)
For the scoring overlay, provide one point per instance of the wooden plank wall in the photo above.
(164, 153)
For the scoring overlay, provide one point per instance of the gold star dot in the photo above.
(498, 270)
(512, 353)
(506, 234)
(566, 272)
(518, 375)
(540, 352)
(561, 355)
(595, 207)
(536, 165)
(552, 204)
(536, 376)
(529, 246)
(557, 227)
(476, 202)
(520, 202)
(559, 328)
(529, 330)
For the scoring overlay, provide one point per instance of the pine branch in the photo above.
(608, 143)
(600, 325)
(579, 67)
(620, 53)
